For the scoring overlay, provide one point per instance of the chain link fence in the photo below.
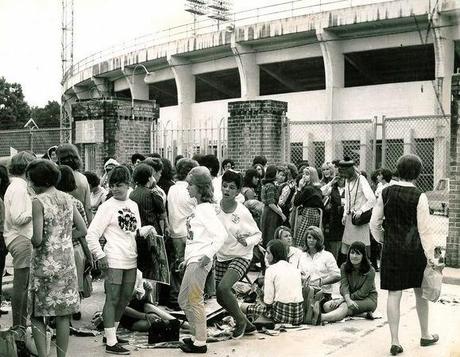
(36, 140)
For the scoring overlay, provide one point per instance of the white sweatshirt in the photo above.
(238, 223)
(205, 233)
(282, 283)
(118, 222)
(180, 206)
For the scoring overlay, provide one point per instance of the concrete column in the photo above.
(364, 157)
(185, 82)
(308, 149)
(444, 49)
(248, 70)
(139, 89)
(254, 128)
(409, 142)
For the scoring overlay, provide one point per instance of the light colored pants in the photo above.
(191, 299)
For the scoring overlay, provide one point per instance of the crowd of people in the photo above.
(303, 230)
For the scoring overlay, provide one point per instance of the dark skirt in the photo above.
(268, 224)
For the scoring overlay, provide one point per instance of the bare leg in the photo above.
(423, 310)
(126, 291)
(150, 308)
(62, 335)
(112, 297)
(393, 312)
(39, 334)
(338, 314)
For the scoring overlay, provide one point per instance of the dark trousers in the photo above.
(375, 252)
(3, 253)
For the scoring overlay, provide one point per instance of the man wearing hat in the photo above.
(359, 198)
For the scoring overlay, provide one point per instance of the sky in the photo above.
(30, 35)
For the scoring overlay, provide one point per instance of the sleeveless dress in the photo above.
(53, 289)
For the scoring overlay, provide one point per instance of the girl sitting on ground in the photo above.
(294, 254)
(282, 288)
(357, 287)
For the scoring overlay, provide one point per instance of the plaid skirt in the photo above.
(306, 217)
(279, 312)
(239, 265)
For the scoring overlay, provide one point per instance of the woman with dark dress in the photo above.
(272, 216)
(401, 221)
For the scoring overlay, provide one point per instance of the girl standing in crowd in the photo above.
(261, 172)
(119, 221)
(234, 257)
(357, 287)
(18, 233)
(282, 288)
(272, 216)
(205, 236)
(4, 182)
(97, 193)
(287, 191)
(53, 289)
(318, 264)
(250, 182)
(407, 240)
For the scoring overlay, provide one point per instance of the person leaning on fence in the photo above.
(205, 236)
(359, 198)
(408, 245)
(235, 255)
(283, 297)
(18, 233)
(119, 221)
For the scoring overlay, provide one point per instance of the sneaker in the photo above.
(120, 341)
(250, 329)
(116, 349)
(238, 332)
(193, 349)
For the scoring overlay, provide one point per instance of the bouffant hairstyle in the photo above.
(68, 155)
(233, 176)
(43, 173)
(316, 233)
(360, 248)
(67, 181)
(142, 174)
(409, 167)
(155, 163)
(279, 230)
(201, 178)
(248, 176)
(183, 167)
(119, 174)
(19, 163)
(93, 179)
(279, 250)
(228, 161)
(262, 160)
(136, 157)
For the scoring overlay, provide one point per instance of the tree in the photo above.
(14, 110)
(47, 117)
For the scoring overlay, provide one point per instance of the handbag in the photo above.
(164, 331)
(365, 218)
(431, 283)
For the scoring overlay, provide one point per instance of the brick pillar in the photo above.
(254, 128)
(123, 135)
(453, 239)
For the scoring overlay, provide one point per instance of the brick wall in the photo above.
(123, 134)
(453, 239)
(254, 128)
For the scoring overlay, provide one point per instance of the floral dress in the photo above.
(53, 289)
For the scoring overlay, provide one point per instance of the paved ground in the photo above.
(351, 338)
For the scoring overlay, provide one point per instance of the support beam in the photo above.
(248, 69)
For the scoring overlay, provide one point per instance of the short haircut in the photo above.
(228, 161)
(409, 167)
(260, 159)
(43, 173)
(68, 155)
(183, 167)
(248, 176)
(279, 250)
(19, 163)
(93, 178)
(233, 176)
(154, 162)
(67, 181)
(142, 174)
(119, 174)
(316, 233)
(387, 174)
(212, 163)
(136, 157)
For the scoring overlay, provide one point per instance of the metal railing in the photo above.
(200, 27)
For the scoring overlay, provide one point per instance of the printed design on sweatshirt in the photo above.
(235, 218)
(189, 226)
(127, 220)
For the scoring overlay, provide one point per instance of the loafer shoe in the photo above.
(239, 331)
(429, 341)
(396, 349)
(250, 329)
(193, 349)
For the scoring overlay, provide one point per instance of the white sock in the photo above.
(111, 336)
(116, 325)
(199, 343)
